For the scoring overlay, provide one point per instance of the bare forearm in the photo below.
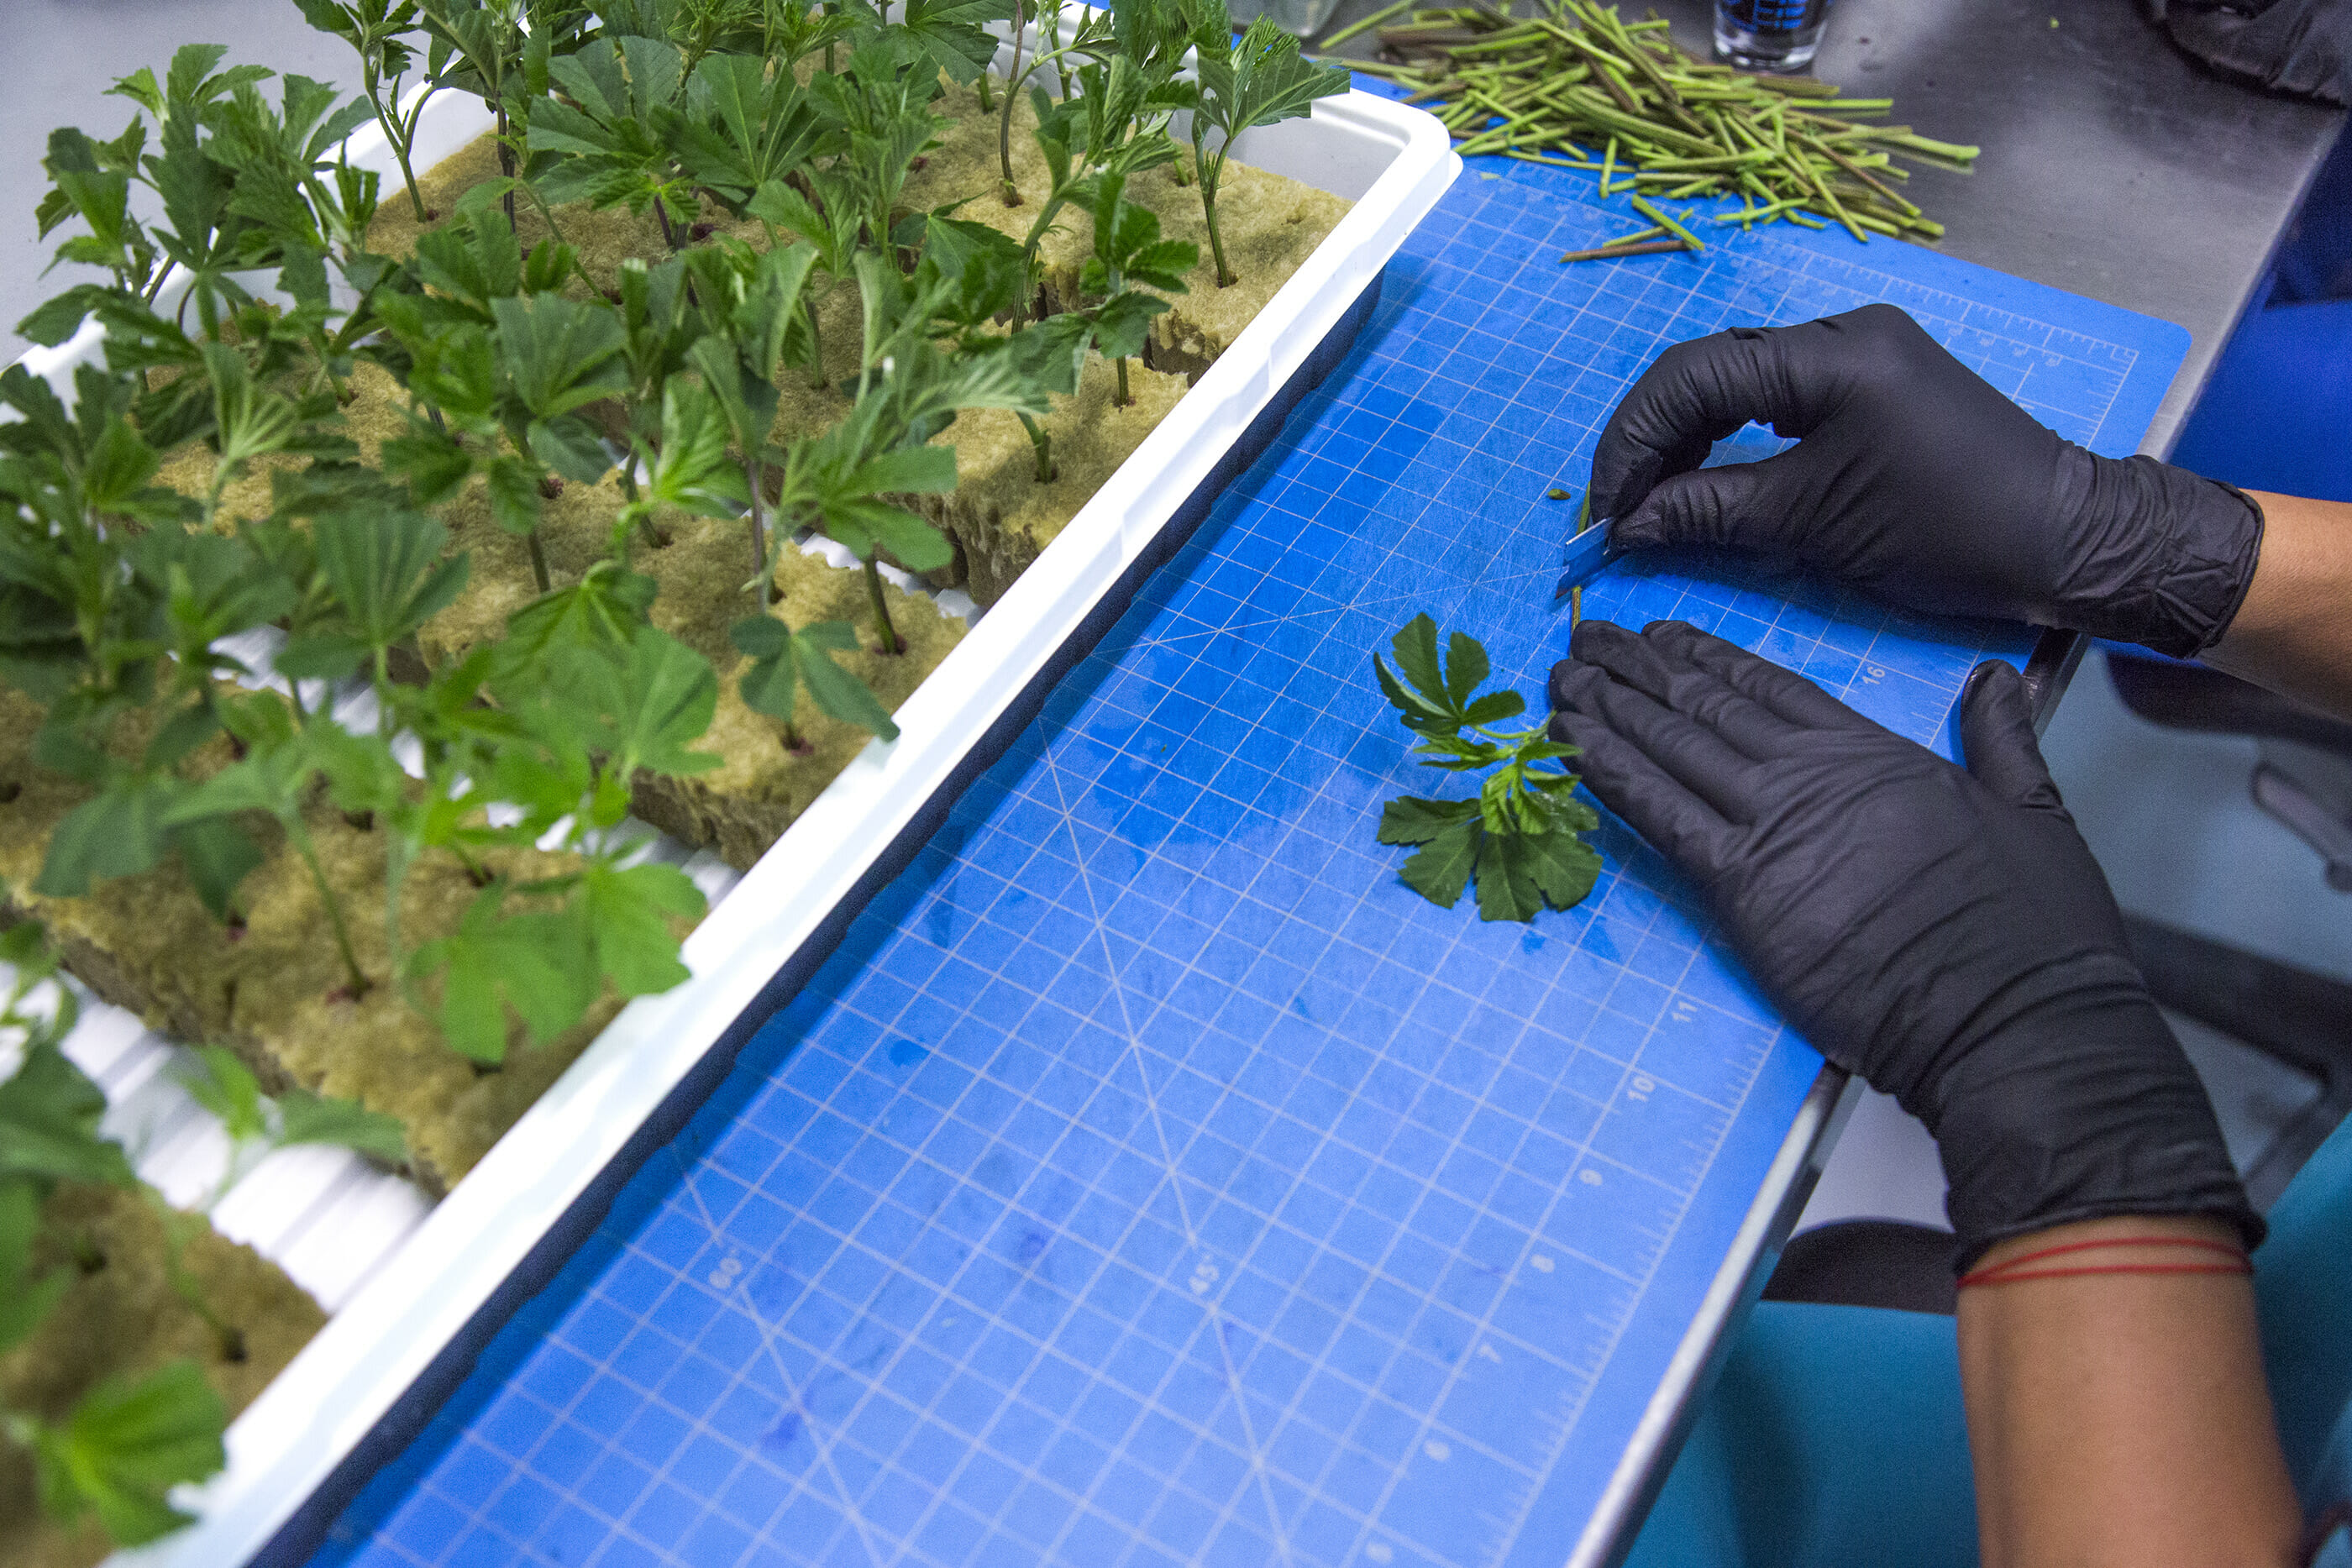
(2122, 1418)
(2294, 633)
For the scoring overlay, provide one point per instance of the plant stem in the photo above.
(297, 832)
(981, 88)
(538, 561)
(230, 1338)
(1041, 442)
(1012, 192)
(506, 170)
(1123, 400)
(1227, 276)
(1374, 20)
(759, 530)
(390, 120)
(882, 627)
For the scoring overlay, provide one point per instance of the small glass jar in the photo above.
(1769, 35)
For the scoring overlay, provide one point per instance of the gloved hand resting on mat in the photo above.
(1914, 480)
(1941, 931)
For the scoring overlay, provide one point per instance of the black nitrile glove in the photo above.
(2299, 46)
(1915, 481)
(1942, 932)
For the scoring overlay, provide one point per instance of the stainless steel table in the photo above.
(2113, 166)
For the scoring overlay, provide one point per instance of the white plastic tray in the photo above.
(1394, 163)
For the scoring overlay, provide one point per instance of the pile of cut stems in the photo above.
(1577, 87)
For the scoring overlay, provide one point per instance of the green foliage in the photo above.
(49, 1113)
(610, 130)
(258, 1126)
(879, 109)
(784, 662)
(591, 717)
(1518, 836)
(746, 126)
(1130, 259)
(126, 1444)
(380, 30)
(1258, 79)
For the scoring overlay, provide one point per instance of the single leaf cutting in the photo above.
(1518, 836)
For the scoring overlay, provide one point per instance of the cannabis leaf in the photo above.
(125, 1445)
(258, 1124)
(25, 1299)
(609, 130)
(785, 662)
(1257, 79)
(49, 1111)
(1518, 836)
(748, 126)
(494, 961)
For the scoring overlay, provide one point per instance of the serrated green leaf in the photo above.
(534, 962)
(1415, 820)
(515, 502)
(672, 693)
(602, 610)
(1562, 867)
(387, 572)
(1505, 892)
(628, 913)
(1467, 668)
(117, 832)
(49, 1113)
(224, 1085)
(835, 689)
(126, 1445)
(306, 1118)
(571, 447)
(1415, 648)
(1441, 868)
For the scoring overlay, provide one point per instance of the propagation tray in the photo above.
(1150, 1177)
(445, 1274)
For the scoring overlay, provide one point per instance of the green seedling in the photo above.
(257, 1125)
(1130, 259)
(1091, 39)
(508, 399)
(588, 718)
(690, 469)
(828, 221)
(910, 388)
(755, 327)
(501, 51)
(745, 129)
(1259, 79)
(785, 663)
(880, 109)
(124, 1445)
(380, 30)
(1518, 837)
(607, 140)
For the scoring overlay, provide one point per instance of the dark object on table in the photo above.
(1869, 1263)
(2303, 48)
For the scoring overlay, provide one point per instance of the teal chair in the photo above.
(1835, 1439)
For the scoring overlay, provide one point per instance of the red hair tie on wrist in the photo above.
(2017, 1269)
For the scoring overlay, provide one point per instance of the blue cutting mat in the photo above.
(1152, 1178)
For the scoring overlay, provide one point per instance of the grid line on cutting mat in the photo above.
(1150, 1178)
